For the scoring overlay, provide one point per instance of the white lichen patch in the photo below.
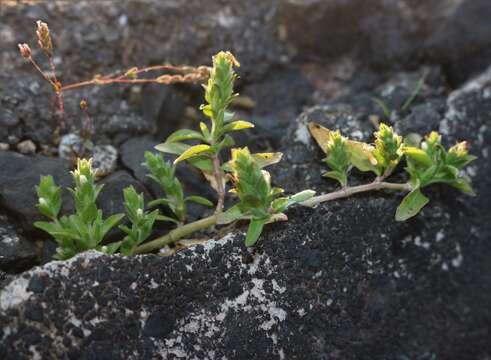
(208, 325)
(302, 134)
(14, 293)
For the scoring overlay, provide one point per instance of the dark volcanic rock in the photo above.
(18, 178)
(342, 281)
(16, 252)
(110, 200)
(454, 33)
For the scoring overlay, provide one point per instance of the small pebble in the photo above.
(26, 147)
(4, 146)
(70, 145)
(104, 159)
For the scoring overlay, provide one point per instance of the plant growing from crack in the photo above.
(258, 202)
(427, 163)
(86, 228)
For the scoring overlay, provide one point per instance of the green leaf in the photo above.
(192, 151)
(204, 130)
(111, 248)
(229, 216)
(237, 125)
(46, 226)
(417, 155)
(254, 231)
(158, 202)
(281, 204)
(411, 205)
(338, 176)
(228, 116)
(184, 134)
(199, 200)
(174, 148)
(302, 196)
(227, 142)
(111, 222)
(463, 185)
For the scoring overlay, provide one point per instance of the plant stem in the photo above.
(176, 234)
(46, 77)
(189, 74)
(218, 172)
(348, 191)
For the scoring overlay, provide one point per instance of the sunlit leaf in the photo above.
(192, 151)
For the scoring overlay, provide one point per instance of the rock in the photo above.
(110, 199)
(8, 119)
(16, 252)
(71, 145)
(277, 98)
(127, 123)
(104, 159)
(379, 281)
(18, 178)
(341, 280)
(451, 32)
(26, 147)
(164, 106)
(4, 146)
(132, 157)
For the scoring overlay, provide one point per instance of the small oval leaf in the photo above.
(411, 205)
(175, 148)
(199, 200)
(184, 134)
(192, 151)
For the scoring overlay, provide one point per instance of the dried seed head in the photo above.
(25, 50)
(44, 38)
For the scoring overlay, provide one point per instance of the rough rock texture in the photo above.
(18, 177)
(342, 281)
(454, 33)
(16, 252)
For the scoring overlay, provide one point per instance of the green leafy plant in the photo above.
(258, 202)
(141, 221)
(164, 174)
(427, 162)
(86, 228)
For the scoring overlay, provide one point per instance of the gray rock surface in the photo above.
(16, 252)
(20, 174)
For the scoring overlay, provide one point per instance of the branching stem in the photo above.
(348, 191)
(176, 234)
